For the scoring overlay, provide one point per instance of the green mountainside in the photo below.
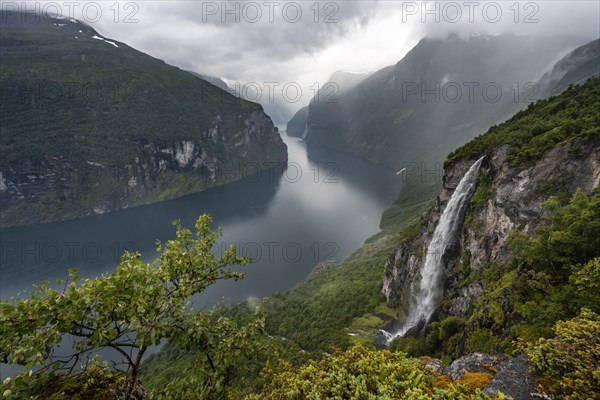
(574, 68)
(90, 125)
(519, 313)
(535, 312)
(338, 83)
(551, 278)
(528, 240)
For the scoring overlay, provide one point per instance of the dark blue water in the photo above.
(323, 206)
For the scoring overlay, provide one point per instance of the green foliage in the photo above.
(176, 368)
(94, 383)
(135, 307)
(482, 341)
(440, 339)
(482, 194)
(551, 276)
(315, 313)
(586, 282)
(570, 362)
(412, 346)
(571, 237)
(532, 132)
(359, 373)
(214, 364)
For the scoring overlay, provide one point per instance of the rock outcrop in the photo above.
(160, 171)
(513, 202)
(510, 376)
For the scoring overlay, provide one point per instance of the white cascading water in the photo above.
(303, 136)
(423, 305)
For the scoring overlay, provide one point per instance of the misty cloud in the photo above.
(228, 40)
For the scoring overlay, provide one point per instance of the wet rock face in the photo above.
(517, 194)
(400, 283)
(514, 200)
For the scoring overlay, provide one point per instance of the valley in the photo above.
(427, 228)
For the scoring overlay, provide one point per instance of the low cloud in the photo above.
(271, 41)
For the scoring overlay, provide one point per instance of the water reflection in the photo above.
(322, 206)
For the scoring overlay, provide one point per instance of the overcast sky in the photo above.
(269, 41)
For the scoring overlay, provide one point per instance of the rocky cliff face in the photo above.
(510, 376)
(508, 199)
(62, 188)
(297, 125)
(330, 92)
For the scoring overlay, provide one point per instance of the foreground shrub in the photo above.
(360, 373)
(570, 362)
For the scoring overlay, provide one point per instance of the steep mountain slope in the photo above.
(297, 125)
(511, 271)
(91, 125)
(574, 68)
(338, 83)
(490, 297)
(440, 95)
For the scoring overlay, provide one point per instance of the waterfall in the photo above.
(303, 136)
(423, 305)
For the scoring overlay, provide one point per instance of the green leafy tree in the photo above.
(587, 285)
(570, 362)
(571, 237)
(136, 307)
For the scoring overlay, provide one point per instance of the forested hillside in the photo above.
(548, 274)
(91, 125)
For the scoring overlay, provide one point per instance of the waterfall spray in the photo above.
(423, 305)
